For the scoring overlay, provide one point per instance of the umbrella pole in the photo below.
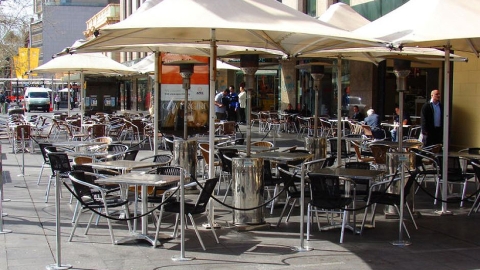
(155, 105)
(68, 95)
(211, 123)
(339, 111)
(82, 97)
(446, 116)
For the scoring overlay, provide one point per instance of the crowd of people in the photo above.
(230, 106)
(431, 121)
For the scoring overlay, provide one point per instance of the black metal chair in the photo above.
(379, 194)
(289, 179)
(59, 162)
(94, 196)
(164, 159)
(130, 154)
(191, 209)
(344, 152)
(365, 183)
(455, 175)
(46, 161)
(328, 196)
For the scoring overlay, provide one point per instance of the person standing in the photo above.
(57, 101)
(220, 107)
(242, 101)
(72, 102)
(233, 107)
(432, 120)
(3, 102)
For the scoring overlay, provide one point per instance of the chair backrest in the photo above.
(329, 161)
(130, 154)
(82, 160)
(43, 151)
(204, 150)
(22, 130)
(104, 139)
(117, 150)
(333, 146)
(326, 191)
(98, 130)
(169, 142)
(288, 179)
(204, 196)
(59, 162)
(379, 152)
(263, 143)
(82, 167)
(358, 165)
(78, 178)
(226, 156)
(415, 132)
(474, 150)
(168, 170)
(164, 159)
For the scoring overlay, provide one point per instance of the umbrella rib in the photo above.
(472, 47)
(370, 57)
(265, 37)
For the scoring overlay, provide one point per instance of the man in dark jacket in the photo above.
(432, 120)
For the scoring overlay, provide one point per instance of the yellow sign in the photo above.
(26, 60)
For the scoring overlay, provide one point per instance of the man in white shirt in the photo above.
(220, 106)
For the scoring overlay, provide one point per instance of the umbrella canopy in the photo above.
(448, 24)
(84, 63)
(343, 16)
(377, 54)
(260, 24)
(430, 23)
(88, 63)
(147, 65)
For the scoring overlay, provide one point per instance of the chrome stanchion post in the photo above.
(23, 151)
(302, 248)
(182, 221)
(2, 230)
(401, 70)
(58, 235)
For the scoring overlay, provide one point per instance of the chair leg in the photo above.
(212, 228)
(75, 224)
(344, 221)
(364, 219)
(159, 223)
(283, 212)
(291, 209)
(411, 216)
(40, 175)
(196, 231)
(309, 210)
(47, 192)
(475, 203)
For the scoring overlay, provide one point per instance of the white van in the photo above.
(37, 98)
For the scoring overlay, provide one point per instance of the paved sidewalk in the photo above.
(441, 242)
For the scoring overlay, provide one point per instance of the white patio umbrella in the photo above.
(343, 16)
(375, 55)
(84, 63)
(250, 23)
(447, 24)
